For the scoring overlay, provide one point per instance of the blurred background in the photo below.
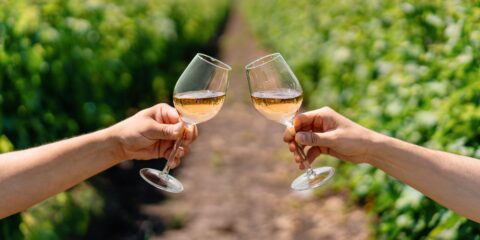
(409, 69)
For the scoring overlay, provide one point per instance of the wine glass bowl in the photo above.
(278, 105)
(198, 106)
(277, 94)
(198, 96)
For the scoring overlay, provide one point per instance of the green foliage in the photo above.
(68, 213)
(406, 68)
(73, 66)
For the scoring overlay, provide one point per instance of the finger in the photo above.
(157, 131)
(152, 152)
(176, 161)
(148, 153)
(166, 114)
(292, 147)
(295, 146)
(163, 113)
(185, 150)
(315, 120)
(180, 152)
(303, 121)
(309, 121)
(297, 151)
(324, 150)
(289, 134)
(301, 166)
(326, 139)
(191, 133)
(166, 148)
(297, 158)
(313, 153)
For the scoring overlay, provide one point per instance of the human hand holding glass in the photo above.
(277, 95)
(198, 96)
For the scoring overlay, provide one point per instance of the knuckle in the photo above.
(175, 132)
(327, 109)
(151, 126)
(314, 139)
(163, 105)
(165, 130)
(143, 112)
(335, 137)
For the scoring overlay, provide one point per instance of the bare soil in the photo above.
(238, 173)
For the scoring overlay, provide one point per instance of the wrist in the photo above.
(377, 142)
(114, 144)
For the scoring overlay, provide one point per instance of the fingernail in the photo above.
(179, 129)
(174, 163)
(180, 153)
(291, 130)
(301, 137)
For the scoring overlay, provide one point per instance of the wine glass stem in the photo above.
(308, 167)
(303, 157)
(173, 153)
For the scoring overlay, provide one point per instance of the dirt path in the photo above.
(238, 173)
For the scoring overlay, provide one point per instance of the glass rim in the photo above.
(213, 61)
(254, 63)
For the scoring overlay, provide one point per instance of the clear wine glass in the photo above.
(198, 96)
(277, 95)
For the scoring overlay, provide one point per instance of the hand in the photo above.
(329, 133)
(151, 133)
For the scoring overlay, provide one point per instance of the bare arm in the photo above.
(449, 179)
(30, 176)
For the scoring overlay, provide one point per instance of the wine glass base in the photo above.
(161, 180)
(310, 181)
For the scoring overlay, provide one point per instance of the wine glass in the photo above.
(198, 96)
(277, 95)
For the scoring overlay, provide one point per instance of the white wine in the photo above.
(198, 106)
(278, 105)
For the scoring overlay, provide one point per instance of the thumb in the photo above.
(325, 139)
(166, 131)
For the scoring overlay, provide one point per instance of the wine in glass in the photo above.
(198, 96)
(277, 95)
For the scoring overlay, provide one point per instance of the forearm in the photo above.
(449, 179)
(30, 176)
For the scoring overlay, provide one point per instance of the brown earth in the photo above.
(238, 173)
